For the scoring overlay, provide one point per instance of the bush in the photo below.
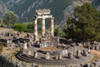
(10, 18)
(1, 48)
(20, 27)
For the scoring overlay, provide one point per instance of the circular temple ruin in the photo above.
(48, 50)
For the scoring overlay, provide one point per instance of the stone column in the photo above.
(35, 54)
(70, 55)
(52, 26)
(35, 29)
(47, 56)
(43, 26)
(29, 52)
(85, 53)
(60, 56)
(25, 46)
(78, 53)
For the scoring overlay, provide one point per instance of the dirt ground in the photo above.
(97, 53)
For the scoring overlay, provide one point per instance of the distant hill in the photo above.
(96, 3)
(25, 9)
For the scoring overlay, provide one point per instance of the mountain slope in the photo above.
(25, 9)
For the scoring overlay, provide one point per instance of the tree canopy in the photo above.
(86, 24)
(20, 27)
(1, 48)
(10, 18)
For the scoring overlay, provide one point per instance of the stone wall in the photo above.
(5, 30)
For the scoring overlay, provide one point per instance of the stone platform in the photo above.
(64, 62)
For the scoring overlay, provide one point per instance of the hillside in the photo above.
(25, 9)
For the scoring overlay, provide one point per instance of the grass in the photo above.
(11, 54)
(3, 28)
(96, 56)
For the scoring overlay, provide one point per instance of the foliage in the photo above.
(58, 31)
(96, 2)
(1, 48)
(23, 10)
(20, 27)
(10, 18)
(6, 63)
(86, 24)
(30, 27)
(0, 21)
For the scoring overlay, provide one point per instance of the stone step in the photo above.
(25, 58)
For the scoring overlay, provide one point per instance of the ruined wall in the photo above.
(5, 30)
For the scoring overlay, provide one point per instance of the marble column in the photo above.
(47, 56)
(70, 55)
(35, 54)
(29, 52)
(25, 46)
(78, 53)
(43, 26)
(35, 30)
(52, 26)
(60, 56)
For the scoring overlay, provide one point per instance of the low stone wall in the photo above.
(68, 62)
(5, 30)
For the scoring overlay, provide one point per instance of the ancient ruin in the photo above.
(49, 50)
(43, 14)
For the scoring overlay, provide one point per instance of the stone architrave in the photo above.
(47, 56)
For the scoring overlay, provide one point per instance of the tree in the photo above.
(86, 24)
(20, 27)
(10, 18)
(0, 21)
(1, 48)
(30, 27)
(59, 32)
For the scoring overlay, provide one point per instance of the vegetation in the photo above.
(10, 18)
(96, 2)
(23, 8)
(1, 48)
(20, 27)
(30, 27)
(85, 25)
(0, 21)
(5, 63)
(58, 31)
